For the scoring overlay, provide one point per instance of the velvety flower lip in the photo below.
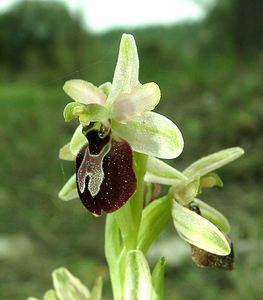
(203, 258)
(118, 182)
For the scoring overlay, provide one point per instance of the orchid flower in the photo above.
(196, 222)
(115, 119)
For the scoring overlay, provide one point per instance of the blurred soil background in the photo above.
(210, 74)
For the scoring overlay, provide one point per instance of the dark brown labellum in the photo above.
(104, 172)
(205, 259)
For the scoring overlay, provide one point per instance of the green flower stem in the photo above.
(122, 229)
(129, 216)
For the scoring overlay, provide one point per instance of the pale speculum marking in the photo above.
(91, 166)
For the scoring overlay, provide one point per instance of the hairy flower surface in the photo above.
(115, 119)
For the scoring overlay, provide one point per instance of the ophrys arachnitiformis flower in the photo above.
(115, 120)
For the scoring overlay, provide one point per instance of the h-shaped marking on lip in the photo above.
(91, 166)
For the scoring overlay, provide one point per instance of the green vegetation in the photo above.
(213, 92)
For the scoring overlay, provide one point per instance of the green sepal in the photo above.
(138, 281)
(158, 280)
(68, 286)
(96, 292)
(65, 153)
(77, 141)
(160, 172)
(212, 162)
(126, 74)
(198, 231)
(50, 295)
(185, 192)
(155, 217)
(69, 190)
(151, 134)
(213, 216)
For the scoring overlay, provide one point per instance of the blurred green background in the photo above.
(210, 74)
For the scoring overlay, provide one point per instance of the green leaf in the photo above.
(213, 216)
(78, 140)
(69, 287)
(212, 162)
(137, 284)
(65, 153)
(96, 292)
(160, 172)
(151, 134)
(69, 190)
(50, 295)
(127, 69)
(198, 231)
(155, 217)
(158, 280)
